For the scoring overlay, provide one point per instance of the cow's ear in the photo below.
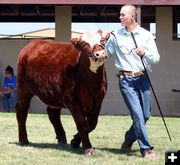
(74, 41)
(80, 44)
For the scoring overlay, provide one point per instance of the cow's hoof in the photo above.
(75, 143)
(24, 143)
(89, 151)
(62, 144)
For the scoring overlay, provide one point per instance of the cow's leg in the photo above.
(76, 141)
(83, 129)
(54, 117)
(22, 107)
(93, 118)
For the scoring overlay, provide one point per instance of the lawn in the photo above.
(106, 139)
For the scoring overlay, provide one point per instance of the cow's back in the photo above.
(48, 53)
(41, 65)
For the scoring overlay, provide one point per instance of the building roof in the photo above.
(80, 13)
(93, 2)
(47, 33)
(82, 10)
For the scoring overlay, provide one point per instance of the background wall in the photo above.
(165, 75)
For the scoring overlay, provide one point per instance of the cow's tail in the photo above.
(21, 74)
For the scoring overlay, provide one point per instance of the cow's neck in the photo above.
(94, 65)
(88, 71)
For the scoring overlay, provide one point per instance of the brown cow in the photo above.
(63, 75)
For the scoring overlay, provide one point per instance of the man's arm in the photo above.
(7, 90)
(175, 90)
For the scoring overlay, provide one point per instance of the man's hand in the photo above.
(1, 93)
(175, 90)
(140, 52)
(7, 90)
(104, 37)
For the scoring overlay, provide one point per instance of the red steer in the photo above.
(62, 75)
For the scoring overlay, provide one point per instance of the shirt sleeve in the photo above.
(5, 82)
(109, 46)
(14, 82)
(151, 52)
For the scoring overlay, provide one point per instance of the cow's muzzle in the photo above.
(99, 55)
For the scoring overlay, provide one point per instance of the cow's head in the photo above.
(90, 43)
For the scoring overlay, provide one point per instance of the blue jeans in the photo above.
(9, 102)
(136, 94)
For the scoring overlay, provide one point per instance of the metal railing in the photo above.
(23, 37)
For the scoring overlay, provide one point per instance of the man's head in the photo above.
(128, 15)
(9, 71)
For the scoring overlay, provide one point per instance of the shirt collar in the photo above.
(136, 31)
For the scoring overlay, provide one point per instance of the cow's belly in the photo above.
(54, 98)
(57, 92)
(51, 101)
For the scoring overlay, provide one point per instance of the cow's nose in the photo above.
(97, 54)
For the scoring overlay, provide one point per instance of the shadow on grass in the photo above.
(62, 147)
(78, 151)
(119, 151)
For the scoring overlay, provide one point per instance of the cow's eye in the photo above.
(97, 54)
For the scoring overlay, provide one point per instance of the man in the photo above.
(9, 91)
(133, 82)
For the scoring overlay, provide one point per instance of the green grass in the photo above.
(106, 139)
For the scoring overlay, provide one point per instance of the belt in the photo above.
(129, 73)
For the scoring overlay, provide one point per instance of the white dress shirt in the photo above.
(122, 47)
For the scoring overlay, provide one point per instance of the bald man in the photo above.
(133, 81)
